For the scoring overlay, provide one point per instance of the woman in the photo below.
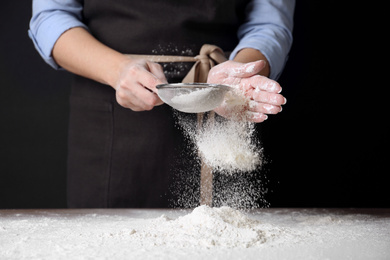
(122, 138)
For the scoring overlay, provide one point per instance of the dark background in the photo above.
(328, 148)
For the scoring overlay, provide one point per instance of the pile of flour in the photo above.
(208, 227)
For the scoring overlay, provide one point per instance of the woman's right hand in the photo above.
(136, 85)
(134, 80)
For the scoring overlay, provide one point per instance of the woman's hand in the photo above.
(134, 80)
(136, 86)
(263, 93)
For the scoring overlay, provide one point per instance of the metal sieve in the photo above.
(192, 97)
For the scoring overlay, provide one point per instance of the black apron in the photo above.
(121, 158)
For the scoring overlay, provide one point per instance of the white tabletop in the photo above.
(174, 234)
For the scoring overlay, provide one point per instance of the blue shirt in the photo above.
(268, 28)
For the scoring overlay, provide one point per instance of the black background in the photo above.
(328, 148)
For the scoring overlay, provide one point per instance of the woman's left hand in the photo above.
(263, 93)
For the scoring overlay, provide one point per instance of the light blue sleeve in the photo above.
(50, 19)
(268, 28)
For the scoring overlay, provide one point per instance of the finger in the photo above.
(157, 70)
(259, 83)
(158, 73)
(264, 108)
(267, 97)
(141, 74)
(147, 99)
(248, 69)
(149, 80)
(159, 102)
(256, 117)
(127, 99)
(137, 98)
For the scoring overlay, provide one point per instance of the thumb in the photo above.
(157, 70)
(159, 76)
(247, 70)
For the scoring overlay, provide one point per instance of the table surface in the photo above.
(288, 233)
(155, 212)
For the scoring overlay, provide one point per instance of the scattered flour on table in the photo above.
(204, 233)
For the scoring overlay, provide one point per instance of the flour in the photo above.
(233, 152)
(202, 233)
(227, 145)
(209, 227)
(198, 96)
(202, 99)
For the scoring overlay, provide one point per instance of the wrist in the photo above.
(249, 55)
(115, 66)
(79, 52)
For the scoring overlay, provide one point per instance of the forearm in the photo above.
(268, 28)
(249, 55)
(79, 52)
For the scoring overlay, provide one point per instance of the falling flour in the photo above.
(227, 145)
(231, 149)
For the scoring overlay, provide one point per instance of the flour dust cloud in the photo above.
(231, 148)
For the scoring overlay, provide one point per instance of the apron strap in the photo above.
(163, 58)
(209, 56)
